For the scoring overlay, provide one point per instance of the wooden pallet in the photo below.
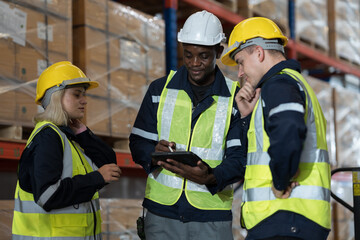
(313, 45)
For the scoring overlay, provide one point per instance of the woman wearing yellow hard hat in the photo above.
(287, 178)
(63, 165)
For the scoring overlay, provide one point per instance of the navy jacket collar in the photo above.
(180, 81)
(293, 64)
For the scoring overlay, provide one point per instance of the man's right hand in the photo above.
(164, 146)
(246, 99)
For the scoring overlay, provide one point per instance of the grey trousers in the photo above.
(161, 228)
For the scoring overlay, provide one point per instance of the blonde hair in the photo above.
(54, 112)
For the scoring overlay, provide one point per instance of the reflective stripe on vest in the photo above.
(312, 197)
(31, 221)
(174, 124)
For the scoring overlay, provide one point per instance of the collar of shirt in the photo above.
(68, 132)
(291, 63)
(180, 81)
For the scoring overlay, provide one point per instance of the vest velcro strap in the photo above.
(19, 237)
(287, 107)
(145, 134)
(302, 192)
(316, 156)
(258, 158)
(167, 180)
(32, 207)
(46, 195)
(191, 186)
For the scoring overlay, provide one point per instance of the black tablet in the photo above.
(184, 157)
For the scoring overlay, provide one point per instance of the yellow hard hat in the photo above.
(251, 28)
(61, 74)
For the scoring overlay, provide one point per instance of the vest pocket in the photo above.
(69, 225)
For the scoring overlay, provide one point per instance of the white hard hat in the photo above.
(202, 28)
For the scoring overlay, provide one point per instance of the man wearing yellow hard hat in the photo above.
(287, 178)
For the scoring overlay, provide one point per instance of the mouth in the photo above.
(196, 71)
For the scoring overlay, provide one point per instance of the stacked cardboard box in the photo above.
(124, 50)
(32, 36)
(347, 29)
(277, 10)
(312, 23)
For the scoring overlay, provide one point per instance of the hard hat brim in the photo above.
(227, 60)
(92, 84)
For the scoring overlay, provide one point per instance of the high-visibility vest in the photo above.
(207, 139)
(81, 221)
(312, 197)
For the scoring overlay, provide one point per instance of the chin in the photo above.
(198, 80)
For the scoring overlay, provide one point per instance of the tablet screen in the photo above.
(184, 157)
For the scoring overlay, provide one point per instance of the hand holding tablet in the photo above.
(184, 157)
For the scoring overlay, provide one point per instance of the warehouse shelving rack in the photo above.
(10, 150)
(293, 47)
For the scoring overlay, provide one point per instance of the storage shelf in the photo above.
(293, 46)
(10, 152)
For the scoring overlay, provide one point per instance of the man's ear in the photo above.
(219, 51)
(260, 53)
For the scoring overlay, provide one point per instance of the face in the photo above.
(249, 68)
(74, 102)
(200, 62)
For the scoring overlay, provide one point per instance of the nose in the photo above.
(195, 61)
(83, 100)
(240, 72)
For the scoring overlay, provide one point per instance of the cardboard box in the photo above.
(56, 7)
(98, 115)
(34, 39)
(122, 118)
(7, 59)
(90, 13)
(114, 50)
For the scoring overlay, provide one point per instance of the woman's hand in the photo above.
(110, 172)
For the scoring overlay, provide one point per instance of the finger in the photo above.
(257, 94)
(172, 145)
(169, 167)
(248, 94)
(201, 165)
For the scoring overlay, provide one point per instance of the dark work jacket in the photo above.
(232, 168)
(41, 165)
(287, 132)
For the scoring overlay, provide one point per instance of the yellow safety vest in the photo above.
(31, 221)
(207, 139)
(312, 197)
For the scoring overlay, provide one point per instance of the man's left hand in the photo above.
(198, 174)
(284, 193)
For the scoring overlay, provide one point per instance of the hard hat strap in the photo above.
(266, 44)
(45, 101)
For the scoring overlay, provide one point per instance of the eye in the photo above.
(188, 56)
(204, 56)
